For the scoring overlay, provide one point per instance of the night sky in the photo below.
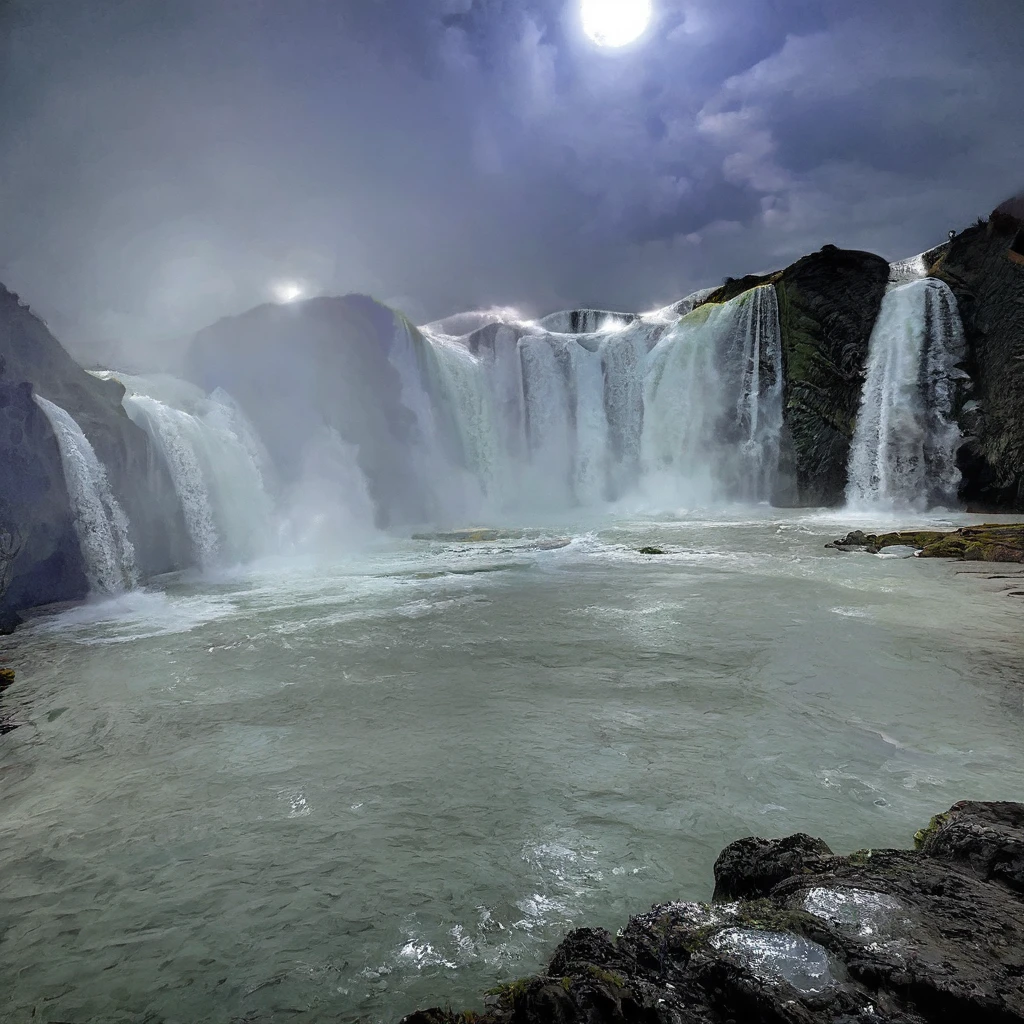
(164, 163)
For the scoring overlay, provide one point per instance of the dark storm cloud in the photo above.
(164, 162)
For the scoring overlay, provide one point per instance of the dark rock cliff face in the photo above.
(828, 303)
(35, 507)
(323, 363)
(989, 288)
(34, 497)
(807, 937)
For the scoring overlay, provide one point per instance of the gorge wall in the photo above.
(35, 509)
(989, 288)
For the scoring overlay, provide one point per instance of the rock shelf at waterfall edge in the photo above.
(798, 935)
(985, 543)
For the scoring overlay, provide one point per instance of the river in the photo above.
(307, 791)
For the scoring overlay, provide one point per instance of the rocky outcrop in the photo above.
(34, 505)
(807, 937)
(324, 363)
(989, 289)
(828, 303)
(987, 543)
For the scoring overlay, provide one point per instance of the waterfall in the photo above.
(214, 459)
(586, 406)
(330, 508)
(550, 418)
(904, 447)
(713, 401)
(622, 364)
(100, 522)
(759, 405)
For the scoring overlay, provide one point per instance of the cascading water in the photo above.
(904, 447)
(100, 521)
(582, 407)
(329, 508)
(213, 457)
(759, 407)
(713, 401)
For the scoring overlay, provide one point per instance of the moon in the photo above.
(615, 23)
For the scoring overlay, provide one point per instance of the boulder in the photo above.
(808, 937)
(986, 543)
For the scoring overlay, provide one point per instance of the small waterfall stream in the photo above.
(904, 448)
(100, 522)
(213, 456)
(713, 402)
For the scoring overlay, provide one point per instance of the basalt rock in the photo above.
(828, 303)
(899, 936)
(988, 283)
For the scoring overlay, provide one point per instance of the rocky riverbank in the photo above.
(798, 935)
(986, 543)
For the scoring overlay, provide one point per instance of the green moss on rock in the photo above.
(921, 836)
(828, 303)
(985, 543)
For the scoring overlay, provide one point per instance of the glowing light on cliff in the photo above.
(288, 291)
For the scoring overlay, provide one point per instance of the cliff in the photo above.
(35, 507)
(828, 302)
(296, 369)
(989, 289)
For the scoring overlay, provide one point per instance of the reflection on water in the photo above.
(321, 792)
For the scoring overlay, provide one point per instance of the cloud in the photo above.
(164, 163)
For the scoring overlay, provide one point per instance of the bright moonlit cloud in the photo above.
(288, 291)
(615, 22)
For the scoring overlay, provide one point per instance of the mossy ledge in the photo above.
(936, 934)
(986, 543)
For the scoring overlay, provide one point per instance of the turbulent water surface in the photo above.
(319, 792)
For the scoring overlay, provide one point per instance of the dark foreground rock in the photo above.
(987, 543)
(930, 935)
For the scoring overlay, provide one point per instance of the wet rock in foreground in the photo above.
(930, 935)
(988, 543)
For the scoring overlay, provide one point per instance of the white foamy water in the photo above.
(102, 527)
(213, 457)
(904, 449)
(345, 788)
